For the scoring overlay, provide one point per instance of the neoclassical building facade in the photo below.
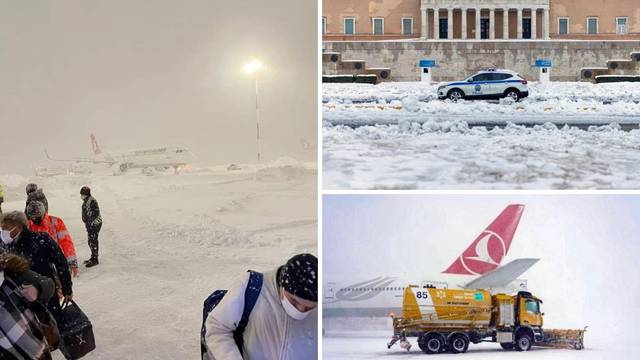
(480, 19)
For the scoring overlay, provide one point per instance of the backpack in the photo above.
(250, 298)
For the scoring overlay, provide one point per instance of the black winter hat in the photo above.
(30, 188)
(299, 276)
(85, 191)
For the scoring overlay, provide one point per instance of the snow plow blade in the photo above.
(563, 338)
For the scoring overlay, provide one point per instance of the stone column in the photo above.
(545, 23)
(492, 24)
(424, 25)
(478, 24)
(505, 23)
(534, 20)
(436, 23)
(450, 23)
(464, 23)
(519, 23)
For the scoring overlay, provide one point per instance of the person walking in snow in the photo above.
(21, 335)
(43, 254)
(283, 322)
(92, 222)
(41, 221)
(35, 194)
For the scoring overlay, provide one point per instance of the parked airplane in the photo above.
(164, 157)
(477, 267)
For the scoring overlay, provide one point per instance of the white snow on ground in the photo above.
(452, 155)
(389, 91)
(400, 136)
(169, 240)
(388, 103)
(373, 346)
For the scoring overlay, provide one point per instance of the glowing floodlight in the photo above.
(252, 67)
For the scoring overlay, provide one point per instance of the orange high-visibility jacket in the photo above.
(55, 227)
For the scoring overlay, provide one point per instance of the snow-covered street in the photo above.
(398, 135)
(169, 240)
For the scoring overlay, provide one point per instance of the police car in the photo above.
(487, 84)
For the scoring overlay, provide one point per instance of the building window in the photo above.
(621, 25)
(378, 26)
(324, 25)
(407, 26)
(592, 25)
(563, 25)
(349, 26)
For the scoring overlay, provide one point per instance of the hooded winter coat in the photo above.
(270, 334)
(44, 255)
(56, 228)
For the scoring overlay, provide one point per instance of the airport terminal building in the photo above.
(480, 19)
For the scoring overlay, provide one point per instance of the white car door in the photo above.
(479, 85)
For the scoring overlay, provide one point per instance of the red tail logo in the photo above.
(486, 252)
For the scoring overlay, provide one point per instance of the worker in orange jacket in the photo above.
(41, 221)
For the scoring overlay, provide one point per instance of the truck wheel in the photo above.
(458, 344)
(507, 346)
(523, 343)
(430, 343)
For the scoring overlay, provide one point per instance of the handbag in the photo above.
(76, 331)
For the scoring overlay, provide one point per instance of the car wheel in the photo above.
(455, 95)
(513, 94)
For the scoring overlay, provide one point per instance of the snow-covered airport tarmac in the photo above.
(169, 240)
(372, 346)
(398, 135)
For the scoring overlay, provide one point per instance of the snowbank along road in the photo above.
(398, 135)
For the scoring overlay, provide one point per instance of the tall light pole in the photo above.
(253, 68)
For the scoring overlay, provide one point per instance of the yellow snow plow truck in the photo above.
(448, 320)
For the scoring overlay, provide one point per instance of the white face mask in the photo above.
(5, 235)
(292, 310)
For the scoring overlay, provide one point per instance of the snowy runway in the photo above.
(362, 347)
(168, 241)
(397, 136)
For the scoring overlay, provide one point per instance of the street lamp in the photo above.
(253, 68)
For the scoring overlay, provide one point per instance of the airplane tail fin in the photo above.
(94, 146)
(486, 252)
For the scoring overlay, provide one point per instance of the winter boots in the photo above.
(91, 262)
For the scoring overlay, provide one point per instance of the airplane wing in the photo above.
(77, 159)
(502, 276)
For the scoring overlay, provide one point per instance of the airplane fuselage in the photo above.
(380, 296)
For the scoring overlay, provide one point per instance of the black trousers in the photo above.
(92, 237)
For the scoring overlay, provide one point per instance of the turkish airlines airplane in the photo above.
(478, 267)
(176, 157)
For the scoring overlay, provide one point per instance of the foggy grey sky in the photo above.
(154, 72)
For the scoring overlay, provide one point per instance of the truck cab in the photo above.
(518, 320)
